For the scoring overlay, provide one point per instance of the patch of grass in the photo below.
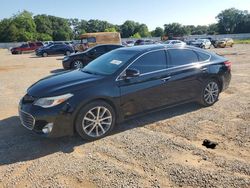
(242, 41)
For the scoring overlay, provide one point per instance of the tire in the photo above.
(77, 64)
(45, 54)
(89, 127)
(67, 53)
(210, 93)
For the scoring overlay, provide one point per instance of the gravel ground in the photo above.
(161, 149)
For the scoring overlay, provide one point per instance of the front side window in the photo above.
(180, 57)
(150, 62)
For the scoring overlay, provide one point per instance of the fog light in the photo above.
(47, 128)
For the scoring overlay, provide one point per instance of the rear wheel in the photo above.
(77, 64)
(95, 120)
(210, 93)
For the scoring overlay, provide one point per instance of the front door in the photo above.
(144, 92)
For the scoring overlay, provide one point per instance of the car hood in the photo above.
(62, 83)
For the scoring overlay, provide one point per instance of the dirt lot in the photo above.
(162, 149)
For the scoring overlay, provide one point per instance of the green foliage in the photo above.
(212, 29)
(158, 32)
(233, 21)
(142, 29)
(129, 28)
(111, 29)
(175, 29)
(136, 36)
(242, 41)
(44, 37)
(24, 27)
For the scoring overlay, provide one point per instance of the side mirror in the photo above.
(131, 73)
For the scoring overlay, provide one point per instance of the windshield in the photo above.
(109, 63)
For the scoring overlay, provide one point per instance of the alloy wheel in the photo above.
(211, 92)
(77, 65)
(97, 121)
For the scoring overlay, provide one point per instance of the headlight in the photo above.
(52, 101)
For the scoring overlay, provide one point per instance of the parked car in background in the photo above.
(174, 42)
(222, 43)
(189, 41)
(201, 43)
(54, 49)
(27, 47)
(121, 84)
(81, 59)
(130, 43)
(143, 42)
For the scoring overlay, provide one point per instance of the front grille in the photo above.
(27, 120)
(28, 99)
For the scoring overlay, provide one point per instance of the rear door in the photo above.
(184, 76)
(144, 92)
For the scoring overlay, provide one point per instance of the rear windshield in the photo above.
(110, 62)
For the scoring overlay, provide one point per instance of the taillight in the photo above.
(228, 64)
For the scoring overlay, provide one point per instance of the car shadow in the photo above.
(159, 115)
(17, 144)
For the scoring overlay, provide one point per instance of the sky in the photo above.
(154, 13)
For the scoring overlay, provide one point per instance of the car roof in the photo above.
(152, 47)
(107, 45)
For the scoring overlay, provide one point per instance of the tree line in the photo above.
(23, 26)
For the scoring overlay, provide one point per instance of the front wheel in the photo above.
(210, 93)
(77, 64)
(95, 120)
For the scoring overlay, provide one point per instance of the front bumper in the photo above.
(35, 118)
(66, 64)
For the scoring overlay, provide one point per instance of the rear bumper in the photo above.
(226, 79)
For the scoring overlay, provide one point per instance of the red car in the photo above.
(27, 47)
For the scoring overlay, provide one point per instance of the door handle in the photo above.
(166, 78)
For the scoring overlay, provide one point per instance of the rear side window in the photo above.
(150, 62)
(203, 56)
(180, 57)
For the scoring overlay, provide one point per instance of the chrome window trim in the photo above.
(165, 49)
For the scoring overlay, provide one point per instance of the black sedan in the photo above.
(121, 84)
(80, 60)
(55, 49)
